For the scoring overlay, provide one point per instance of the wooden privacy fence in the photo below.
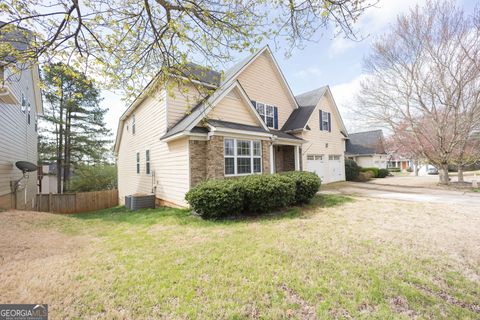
(77, 202)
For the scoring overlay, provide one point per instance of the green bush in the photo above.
(307, 185)
(264, 193)
(374, 170)
(365, 176)
(394, 169)
(382, 173)
(351, 170)
(215, 199)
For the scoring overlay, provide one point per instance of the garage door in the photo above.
(316, 163)
(335, 166)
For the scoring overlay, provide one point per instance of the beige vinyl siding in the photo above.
(234, 110)
(317, 140)
(180, 101)
(18, 142)
(262, 83)
(169, 177)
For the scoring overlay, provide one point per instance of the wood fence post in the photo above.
(50, 202)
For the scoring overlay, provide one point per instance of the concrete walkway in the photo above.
(406, 193)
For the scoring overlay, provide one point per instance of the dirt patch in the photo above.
(36, 263)
(305, 310)
(450, 299)
(400, 305)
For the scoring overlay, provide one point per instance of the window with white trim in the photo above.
(147, 162)
(242, 157)
(138, 162)
(325, 125)
(267, 113)
(334, 157)
(314, 157)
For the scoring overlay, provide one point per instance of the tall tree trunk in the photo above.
(66, 172)
(443, 174)
(416, 164)
(460, 173)
(60, 148)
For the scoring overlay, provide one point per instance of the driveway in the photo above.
(407, 193)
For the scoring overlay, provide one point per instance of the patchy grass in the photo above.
(475, 190)
(334, 258)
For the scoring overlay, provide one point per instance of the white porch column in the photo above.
(272, 169)
(297, 158)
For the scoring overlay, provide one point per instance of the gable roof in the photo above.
(202, 74)
(366, 143)
(203, 108)
(307, 102)
(298, 118)
(311, 98)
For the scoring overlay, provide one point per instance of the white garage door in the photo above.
(328, 168)
(316, 163)
(335, 166)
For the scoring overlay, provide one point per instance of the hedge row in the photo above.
(215, 199)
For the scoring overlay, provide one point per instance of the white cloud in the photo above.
(308, 73)
(373, 22)
(345, 98)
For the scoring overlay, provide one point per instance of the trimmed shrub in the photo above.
(351, 170)
(382, 173)
(374, 170)
(365, 176)
(264, 193)
(214, 199)
(394, 169)
(307, 185)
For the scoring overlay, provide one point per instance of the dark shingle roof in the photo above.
(284, 135)
(203, 74)
(18, 38)
(311, 98)
(236, 126)
(298, 118)
(369, 142)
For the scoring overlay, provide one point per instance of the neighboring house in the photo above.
(402, 163)
(367, 149)
(47, 178)
(20, 105)
(250, 124)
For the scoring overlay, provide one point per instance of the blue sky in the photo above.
(337, 62)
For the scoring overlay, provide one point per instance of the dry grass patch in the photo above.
(332, 259)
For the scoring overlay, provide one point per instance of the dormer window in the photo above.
(325, 121)
(268, 113)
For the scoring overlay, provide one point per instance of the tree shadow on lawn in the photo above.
(184, 216)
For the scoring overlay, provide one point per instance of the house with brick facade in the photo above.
(170, 139)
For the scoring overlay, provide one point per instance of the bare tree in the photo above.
(131, 41)
(424, 81)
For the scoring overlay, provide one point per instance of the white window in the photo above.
(325, 121)
(314, 157)
(333, 157)
(267, 113)
(133, 124)
(147, 161)
(242, 157)
(138, 162)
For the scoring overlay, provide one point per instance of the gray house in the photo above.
(367, 149)
(20, 105)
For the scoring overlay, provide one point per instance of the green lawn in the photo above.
(304, 263)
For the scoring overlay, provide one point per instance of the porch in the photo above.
(285, 158)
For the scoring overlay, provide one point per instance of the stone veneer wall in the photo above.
(207, 161)
(215, 161)
(265, 157)
(198, 161)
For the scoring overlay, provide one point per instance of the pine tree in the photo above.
(74, 130)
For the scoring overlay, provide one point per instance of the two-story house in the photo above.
(20, 105)
(251, 123)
